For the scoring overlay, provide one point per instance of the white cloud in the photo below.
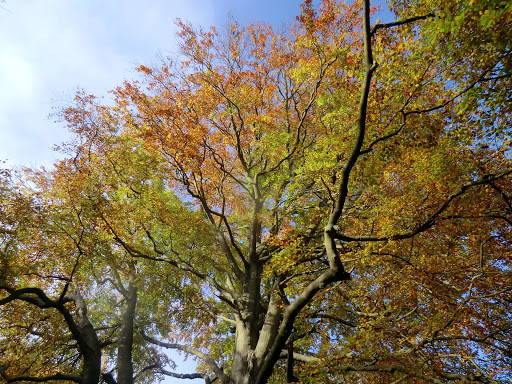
(18, 76)
(49, 48)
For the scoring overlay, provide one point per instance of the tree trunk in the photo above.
(87, 342)
(124, 352)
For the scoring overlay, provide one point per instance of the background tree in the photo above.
(329, 203)
(41, 338)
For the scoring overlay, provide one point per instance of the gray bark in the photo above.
(125, 344)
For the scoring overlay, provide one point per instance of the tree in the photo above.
(331, 203)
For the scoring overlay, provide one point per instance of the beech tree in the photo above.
(327, 203)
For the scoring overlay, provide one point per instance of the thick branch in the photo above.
(336, 271)
(418, 374)
(190, 376)
(300, 357)
(57, 376)
(333, 274)
(203, 356)
(430, 221)
(158, 368)
(361, 121)
(398, 23)
(82, 330)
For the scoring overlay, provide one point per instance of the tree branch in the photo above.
(190, 376)
(398, 23)
(398, 368)
(57, 376)
(300, 357)
(203, 356)
(427, 224)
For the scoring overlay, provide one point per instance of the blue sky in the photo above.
(51, 48)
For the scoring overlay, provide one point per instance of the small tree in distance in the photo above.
(328, 204)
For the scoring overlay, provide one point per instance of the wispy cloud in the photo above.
(50, 48)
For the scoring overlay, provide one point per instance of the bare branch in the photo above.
(185, 348)
(398, 23)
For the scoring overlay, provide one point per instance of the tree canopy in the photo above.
(326, 203)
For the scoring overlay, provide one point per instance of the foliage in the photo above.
(327, 203)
